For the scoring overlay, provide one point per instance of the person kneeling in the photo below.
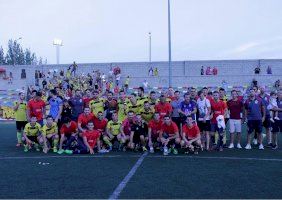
(50, 135)
(31, 135)
(191, 136)
(139, 134)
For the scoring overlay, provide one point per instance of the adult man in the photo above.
(277, 125)
(169, 136)
(134, 105)
(204, 110)
(56, 105)
(113, 132)
(255, 113)
(141, 97)
(147, 112)
(175, 109)
(83, 120)
(153, 100)
(68, 133)
(123, 103)
(235, 107)
(154, 129)
(50, 135)
(76, 103)
(100, 123)
(188, 107)
(193, 93)
(191, 135)
(163, 107)
(126, 126)
(20, 108)
(139, 134)
(36, 107)
(110, 105)
(31, 134)
(97, 103)
(217, 109)
(87, 98)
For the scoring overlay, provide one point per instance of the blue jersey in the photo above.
(55, 104)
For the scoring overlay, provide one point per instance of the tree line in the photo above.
(17, 55)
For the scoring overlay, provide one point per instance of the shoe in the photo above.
(26, 148)
(36, 146)
(269, 145)
(239, 146)
(255, 141)
(169, 150)
(277, 118)
(261, 147)
(275, 147)
(248, 147)
(231, 146)
(144, 149)
(55, 150)
(61, 151)
(103, 151)
(67, 151)
(18, 144)
(196, 152)
(152, 150)
(174, 151)
(165, 151)
(45, 150)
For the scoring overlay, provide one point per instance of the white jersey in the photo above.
(203, 106)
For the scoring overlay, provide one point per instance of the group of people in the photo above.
(86, 120)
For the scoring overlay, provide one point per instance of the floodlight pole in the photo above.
(58, 54)
(150, 47)
(169, 48)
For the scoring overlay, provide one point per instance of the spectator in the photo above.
(202, 71)
(269, 70)
(156, 72)
(74, 68)
(214, 71)
(151, 71)
(208, 71)
(277, 84)
(257, 70)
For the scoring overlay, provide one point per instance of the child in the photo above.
(273, 104)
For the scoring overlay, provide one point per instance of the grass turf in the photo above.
(207, 175)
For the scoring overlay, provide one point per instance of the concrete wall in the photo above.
(185, 73)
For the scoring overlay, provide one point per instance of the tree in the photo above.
(40, 61)
(27, 55)
(2, 56)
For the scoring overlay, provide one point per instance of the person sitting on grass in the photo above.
(169, 136)
(50, 135)
(68, 133)
(90, 140)
(139, 134)
(31, 135)
(154, 129)
(113, 132)
(191, 136)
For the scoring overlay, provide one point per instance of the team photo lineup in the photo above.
(76, 115)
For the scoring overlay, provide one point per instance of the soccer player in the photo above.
(255, 114)
(100, 123)
(147, 112)
(97, 103)
(31, 134)
(154, 129)
(175, 109)
(20, 108)
(204, 110)
(110, 106)
(50, 135)
(76, 103)
(188, 107)
(141, 97)
(191, 136)
(139, 134)
(235, 107)
(217, 109)
(163, 107)
(133, 104)
(169, 136)
(87, 98)
(126, 126)
(83, 120)
(56, 105)
(113, 132)
(153, 100)
(36, 107)
(122, 106)
(68, 133)
(90, 139)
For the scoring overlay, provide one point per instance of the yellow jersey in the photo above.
(97, 105)
(20, 113)
(49, 130)
(30, 130)
(114, 127)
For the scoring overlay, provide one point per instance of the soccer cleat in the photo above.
(144, 149)
(67, 151)
(152, 150)
(248, 147)
(55, 150)
(275, 147)
(45, 150)
(277, 118)
(255, 141)
(61, 151)
(261, 147)
(169, 150)
(110, 148)
(36, 146)
(26, 148)
(165, 151)
(239, 146)
(18, 144)
(174, 151)
(231, 146)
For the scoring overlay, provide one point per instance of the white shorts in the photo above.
(235, 125)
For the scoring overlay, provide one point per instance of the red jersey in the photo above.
(100, 125)
(217, 108)
(235, 108)
(92, 137)
(170, 129)
(86, 101)
(155, 127)
(36, 108)
(191, 132)
(127, 126)
(69, 130)
(163, 108)
(84, 119)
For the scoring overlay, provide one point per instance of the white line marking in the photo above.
(45, 157)
(124, 182)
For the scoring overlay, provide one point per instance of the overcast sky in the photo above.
(117, 30)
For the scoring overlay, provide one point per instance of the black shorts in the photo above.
(267, 122)
(254, 125)
(276, 126)
(214, 128)
(136, 137)
(204, 126)
(33, 138)
(20, 125)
